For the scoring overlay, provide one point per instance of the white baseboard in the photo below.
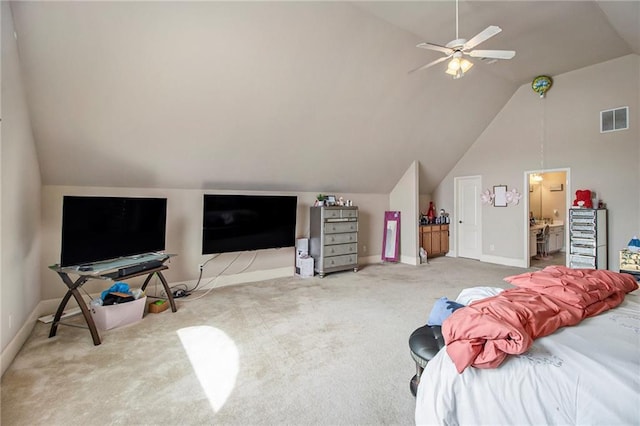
(410, 260)
(11, 350)
(48, 319)
(247, 277)
(506, 261)
(369, 260)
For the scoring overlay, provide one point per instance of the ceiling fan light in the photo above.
(457, 67)
(454, 65)
(466, 65)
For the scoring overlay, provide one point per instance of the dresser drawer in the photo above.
(580, 213)
(585, 228)
(340, 214)
(340, 238)
(334, 261)
(582, 233)
(585, 250)
(337, 227)
(582, 262)
(340, 249)
(583, 242)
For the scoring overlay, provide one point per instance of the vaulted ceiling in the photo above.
(283, 96)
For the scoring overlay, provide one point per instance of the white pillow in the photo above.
(472, 294)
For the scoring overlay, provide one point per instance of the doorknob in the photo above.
(459, 221)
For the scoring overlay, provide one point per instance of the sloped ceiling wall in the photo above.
(300, 96)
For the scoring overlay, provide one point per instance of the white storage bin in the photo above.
(112, 316)
(305, 268)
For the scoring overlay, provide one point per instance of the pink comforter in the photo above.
(485, 332)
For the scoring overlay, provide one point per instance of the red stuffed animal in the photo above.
(583, 199)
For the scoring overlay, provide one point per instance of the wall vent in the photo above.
(612, 120)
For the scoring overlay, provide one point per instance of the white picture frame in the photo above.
(500, 196)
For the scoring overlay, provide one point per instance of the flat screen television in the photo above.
(234, 223)
(100, 228)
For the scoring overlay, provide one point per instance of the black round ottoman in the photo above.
(424, 344)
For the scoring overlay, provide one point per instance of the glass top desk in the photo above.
(120, 269)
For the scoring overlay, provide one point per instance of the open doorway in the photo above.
(547, 211)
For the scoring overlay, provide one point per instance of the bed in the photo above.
(588, 373)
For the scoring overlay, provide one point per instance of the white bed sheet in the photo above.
(588, 374)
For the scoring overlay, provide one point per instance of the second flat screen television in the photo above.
(234, 223)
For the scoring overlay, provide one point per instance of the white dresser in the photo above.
(588, 238)
(333, 238)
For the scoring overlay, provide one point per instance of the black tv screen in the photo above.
(248, 222)
(101, 228)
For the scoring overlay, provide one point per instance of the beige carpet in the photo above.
(330, 351)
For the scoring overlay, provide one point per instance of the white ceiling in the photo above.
(283, 96)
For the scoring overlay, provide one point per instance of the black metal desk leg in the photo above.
(167, 289)
(87, 316)
(73, 291)
(56, 318)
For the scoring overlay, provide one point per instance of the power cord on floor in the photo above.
(255, 254)
(182, 290)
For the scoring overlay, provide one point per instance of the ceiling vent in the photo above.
(612, 120)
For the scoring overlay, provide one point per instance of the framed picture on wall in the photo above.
(500, 196)
(556, 187)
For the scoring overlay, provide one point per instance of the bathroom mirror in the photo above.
(547, 195)
(535, 199)
(391, 237)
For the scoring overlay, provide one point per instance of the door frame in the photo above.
(568, 197)
(456, 211)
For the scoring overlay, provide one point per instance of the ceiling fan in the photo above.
(456, 49)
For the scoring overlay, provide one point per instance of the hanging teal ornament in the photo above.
(541, 84)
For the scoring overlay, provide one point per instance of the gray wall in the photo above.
(20, 224)
(184, 235)
(566, 122)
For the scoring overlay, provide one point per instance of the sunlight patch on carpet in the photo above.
(215, 360)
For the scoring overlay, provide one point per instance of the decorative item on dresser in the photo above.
(588, 238)
(630, 262)
(333, 238)
(434, 239)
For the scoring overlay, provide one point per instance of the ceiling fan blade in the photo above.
(483, 35)
(493, 54)
(437, 47)
(430, 64)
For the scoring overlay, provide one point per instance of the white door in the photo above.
(467, 216)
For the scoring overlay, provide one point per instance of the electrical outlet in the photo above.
(364, 249)
(492, 248)
(10, 321)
